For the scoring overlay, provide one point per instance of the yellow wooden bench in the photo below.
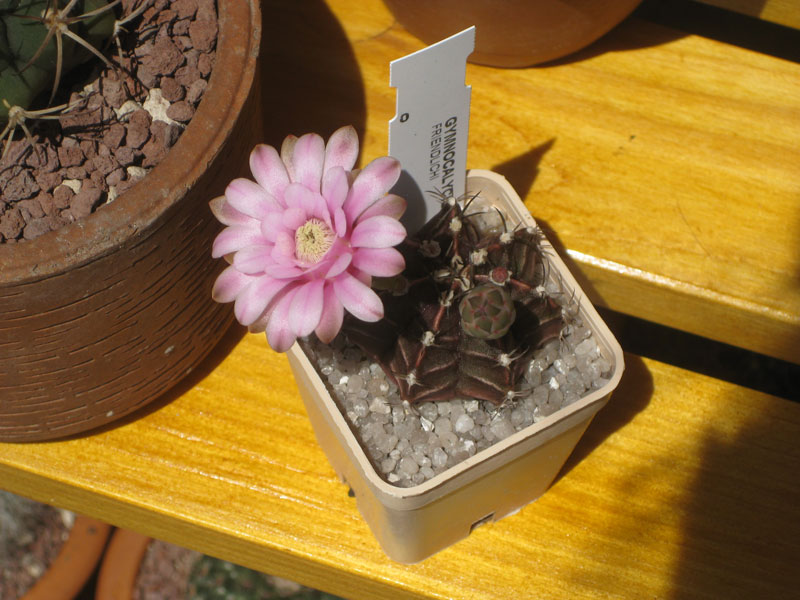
(667, 166)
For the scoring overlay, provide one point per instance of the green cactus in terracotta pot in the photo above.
(40, 41)
(466, 315)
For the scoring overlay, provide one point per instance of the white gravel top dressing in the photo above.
(410, 444)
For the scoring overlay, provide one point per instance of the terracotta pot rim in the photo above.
(142, 206)
(75, 562)
(120, 565)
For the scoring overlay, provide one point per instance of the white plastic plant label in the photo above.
(428, 134)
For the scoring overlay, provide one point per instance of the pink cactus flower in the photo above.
(305, 239)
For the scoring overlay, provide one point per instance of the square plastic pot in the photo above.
(413, 523)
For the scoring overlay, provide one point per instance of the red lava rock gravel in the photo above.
(122, 128)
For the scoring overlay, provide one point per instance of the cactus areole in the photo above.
(467, 313)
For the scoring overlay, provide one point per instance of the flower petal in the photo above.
(255, 297)
(306, 308)
(311, 203)
(228, 285)
(378, 232)
(334, 188)
(391, 205)
(226, 214)
(307, 159)
(250, 198)
(358, 298)
(293, 217)
(235, 238)
(339, 265)
(339, 222)
(287, 155)
(379, 262)
(332, 316)
(269, 170)
(283, 251)
(372, 183)
(342, 148)
(279, 333)
(279, 271)
(252, 260)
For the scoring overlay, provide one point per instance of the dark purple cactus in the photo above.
(425, 345)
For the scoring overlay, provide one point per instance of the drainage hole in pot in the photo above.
(480, 522)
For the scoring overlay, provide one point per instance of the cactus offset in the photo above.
(487, 312)
(427, 340)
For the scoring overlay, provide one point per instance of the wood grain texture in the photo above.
(683, 486)
(667, 164)
(782, 12)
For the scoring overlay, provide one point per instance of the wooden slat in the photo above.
(666, 164)
(683, 486)
(782, 12)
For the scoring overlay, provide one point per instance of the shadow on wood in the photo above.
(312, 82)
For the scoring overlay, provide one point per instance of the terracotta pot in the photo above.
(514, 33)
(412, 523)
(121, 564)
(75, 562)
(101, 317)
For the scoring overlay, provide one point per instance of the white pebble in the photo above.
(378, 386)
(438, 458)
(380, 406)
(585, 347)
(420, 458)
(355, 383)
(386, 442)
(408, 466)
(456, 409)
(518, 417)
(448, 440)
(360, 407)
(429, 410)
(471, 405)
(425, 424)
(502, 428)
(443, 425)
(463, 424)
(540, 394)
(398, 415)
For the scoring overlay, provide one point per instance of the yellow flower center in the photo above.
(312, 240)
